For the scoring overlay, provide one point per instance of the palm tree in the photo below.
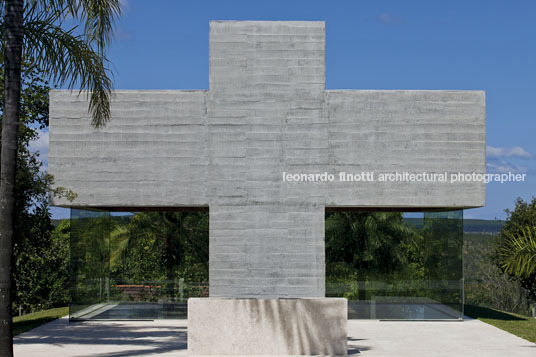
(369, 242)
(517, 254)
(69, 57)
(175, 235)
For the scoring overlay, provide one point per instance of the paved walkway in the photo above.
(366, 338)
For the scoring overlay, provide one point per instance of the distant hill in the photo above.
(482, 225)
(56, 222)
(469, 225)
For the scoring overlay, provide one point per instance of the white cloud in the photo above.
(122, 35)
(41, 144)
(388, 18)
(124, 4)
(515, 151)
(495, 166)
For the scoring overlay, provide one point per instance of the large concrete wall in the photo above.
(267, 112)
(152, 152)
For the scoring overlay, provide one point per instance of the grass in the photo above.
(519, 325)
(30, 321)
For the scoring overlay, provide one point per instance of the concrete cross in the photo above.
(267, 112)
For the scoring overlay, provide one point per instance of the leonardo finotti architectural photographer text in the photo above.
(370, 176)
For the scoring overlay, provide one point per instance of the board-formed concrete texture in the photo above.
(267, 112)
(316, 327)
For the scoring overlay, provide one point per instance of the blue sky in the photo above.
(484, 45)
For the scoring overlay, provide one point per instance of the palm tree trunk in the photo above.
(10, 129)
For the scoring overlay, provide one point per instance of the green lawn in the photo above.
(30, 321)
(519, 325)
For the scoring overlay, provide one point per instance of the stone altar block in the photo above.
(267, 112)
(249, 327)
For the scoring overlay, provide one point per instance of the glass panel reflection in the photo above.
(391, 265)
(137, 265)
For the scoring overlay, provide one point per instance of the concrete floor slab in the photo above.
(434, 338)
(103, 339)
(366, 338)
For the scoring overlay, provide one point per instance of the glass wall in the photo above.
(137, 265)
(89, 266)
(395, 265)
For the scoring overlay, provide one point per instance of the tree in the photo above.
(41, 264)
(160, 246)
(40, 253)
(484, 282)
(67, 56)
(517, 254)
(368, 245)
(523, 215)
(515, 251)
(39, 256)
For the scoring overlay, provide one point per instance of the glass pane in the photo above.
(391, 265)
(443, 233)
(89, 266)
(155, 262)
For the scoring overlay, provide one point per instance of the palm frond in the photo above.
(98, 16)
(518, 253)
(74, 56)
(67, 59)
